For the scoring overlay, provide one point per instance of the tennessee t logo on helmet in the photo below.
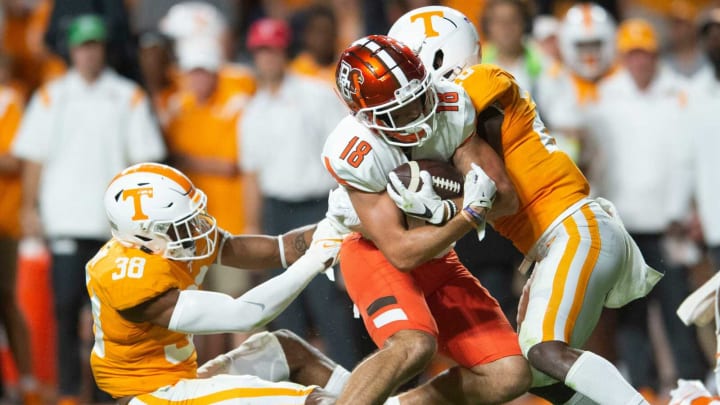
(136, 195)
(426, 17)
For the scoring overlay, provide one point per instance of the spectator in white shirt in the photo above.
(640, 123)
(79, 130)
(704, 106)
(282, 133)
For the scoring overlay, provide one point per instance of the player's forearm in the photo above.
(9, 164)
(30, 183)
(416, 246)
(261, 252)
(204, 312)
(506, 202)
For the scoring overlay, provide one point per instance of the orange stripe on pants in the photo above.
(228, 394)
(561, 278)
(586, 272)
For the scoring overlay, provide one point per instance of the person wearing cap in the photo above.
(282, 133)
(201, 119)
(77, 132)
(641, 126)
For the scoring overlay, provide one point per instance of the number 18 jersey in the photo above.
(360, 159)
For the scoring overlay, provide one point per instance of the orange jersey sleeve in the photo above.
(545, 178)
(10, 188)
(131, 358)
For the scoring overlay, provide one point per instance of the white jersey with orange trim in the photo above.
(131, 358)
(360, 159)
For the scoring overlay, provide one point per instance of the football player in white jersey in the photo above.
(414, 295)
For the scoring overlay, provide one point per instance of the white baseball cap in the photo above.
(199, 53)
(192, 18)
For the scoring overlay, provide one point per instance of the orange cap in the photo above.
(636, 34)
(683, 10)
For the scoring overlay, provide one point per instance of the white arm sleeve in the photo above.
(206, 312)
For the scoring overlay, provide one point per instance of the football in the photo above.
(447, 180)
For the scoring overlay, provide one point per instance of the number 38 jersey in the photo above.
(131, 358)
(358, 158)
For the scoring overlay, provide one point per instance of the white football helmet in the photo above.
(446, 41)
(587, 40)
(156, 208)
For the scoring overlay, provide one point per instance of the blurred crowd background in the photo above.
(239, 95)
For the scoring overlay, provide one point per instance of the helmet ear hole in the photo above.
(438, 59)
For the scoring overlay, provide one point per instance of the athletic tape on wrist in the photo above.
(281, 245)
(477, 217)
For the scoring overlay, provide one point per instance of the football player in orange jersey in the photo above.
(584, 258)
(146, 303)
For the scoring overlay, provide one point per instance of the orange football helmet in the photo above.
(388, 89)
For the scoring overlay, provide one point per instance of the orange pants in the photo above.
(440, 297)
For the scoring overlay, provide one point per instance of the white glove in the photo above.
(341, 211)
(687, 391)
(260, 355)
(424, 203)
(216, 366)
(479, 192)
(326, 242)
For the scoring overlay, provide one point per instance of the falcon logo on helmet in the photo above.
(349, 80)
(388, 89)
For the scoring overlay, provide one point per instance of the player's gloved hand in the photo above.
(424, 203)
(687, 391)
(260, 355)
(340, 211)
(213, 367)
(326, 242)
(478, 197)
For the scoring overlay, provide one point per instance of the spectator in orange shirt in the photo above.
(22, 32)
(10, 197)
(201, 132)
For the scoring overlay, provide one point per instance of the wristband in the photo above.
(451, 209)
(468, 218)
(281, 246)
(477, 218)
